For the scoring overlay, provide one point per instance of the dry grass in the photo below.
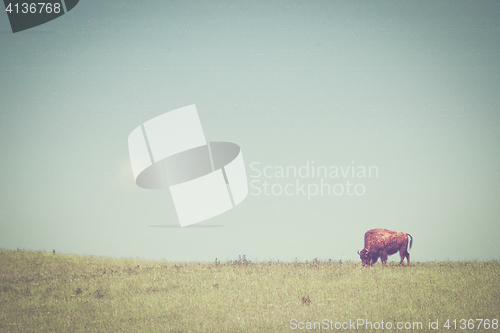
(43, 292)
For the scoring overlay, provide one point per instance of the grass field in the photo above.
(42, 292)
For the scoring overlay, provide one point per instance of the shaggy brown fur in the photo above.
(381, 243)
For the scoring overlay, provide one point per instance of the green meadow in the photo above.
(43, 292)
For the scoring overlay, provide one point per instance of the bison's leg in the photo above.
(403, 251)
(402, 254)
(383, 257)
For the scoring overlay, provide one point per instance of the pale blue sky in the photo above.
(410, 87)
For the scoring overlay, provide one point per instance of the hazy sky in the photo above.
(412, 88)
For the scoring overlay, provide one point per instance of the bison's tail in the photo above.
(411, 240)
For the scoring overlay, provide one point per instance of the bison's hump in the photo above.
(383, 237)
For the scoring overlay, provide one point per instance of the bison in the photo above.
(383, 242)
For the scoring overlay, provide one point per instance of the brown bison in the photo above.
(383, 242)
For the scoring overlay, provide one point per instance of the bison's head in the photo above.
(364, 257)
